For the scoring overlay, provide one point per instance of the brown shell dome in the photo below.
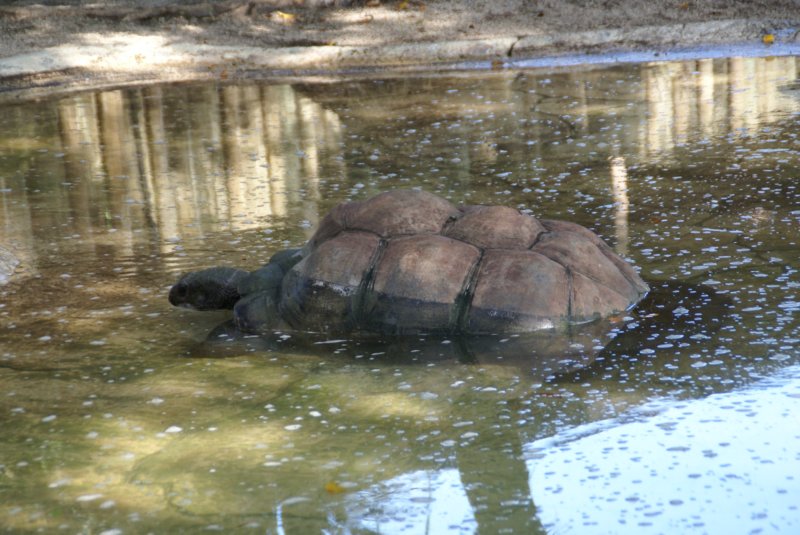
(409, 261)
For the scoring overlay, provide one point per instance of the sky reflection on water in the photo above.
(661, 468)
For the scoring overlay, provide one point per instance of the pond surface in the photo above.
(118, 416)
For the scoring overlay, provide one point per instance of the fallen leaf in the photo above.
(768, 39)
(333, 487)
(402, 5)
(684, 5)
(497, 64)
(283, 17)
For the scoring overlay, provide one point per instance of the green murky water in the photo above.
(119, 417)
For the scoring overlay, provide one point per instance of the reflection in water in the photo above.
(416, 502)
(178, 163)
(713, 98)
(687, 168)
(619, 187)
(184, 161)
(680, 451)
(591, 479)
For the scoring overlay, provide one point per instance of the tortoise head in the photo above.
(210, 289)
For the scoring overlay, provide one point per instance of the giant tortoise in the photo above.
(408, 261)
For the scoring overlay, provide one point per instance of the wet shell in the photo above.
(409, 261)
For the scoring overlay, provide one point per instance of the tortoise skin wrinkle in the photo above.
(408, 261)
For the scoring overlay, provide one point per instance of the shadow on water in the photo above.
(674, 315)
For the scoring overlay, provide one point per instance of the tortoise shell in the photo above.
(408, 261)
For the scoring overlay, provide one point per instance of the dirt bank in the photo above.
(59, 41)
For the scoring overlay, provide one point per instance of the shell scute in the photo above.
(580, 255)
(417, 282)
(518, 291)
(498, 227)
(321, 292)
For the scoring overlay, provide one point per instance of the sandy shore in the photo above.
(67, 42)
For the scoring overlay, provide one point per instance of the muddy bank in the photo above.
(58, 42)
